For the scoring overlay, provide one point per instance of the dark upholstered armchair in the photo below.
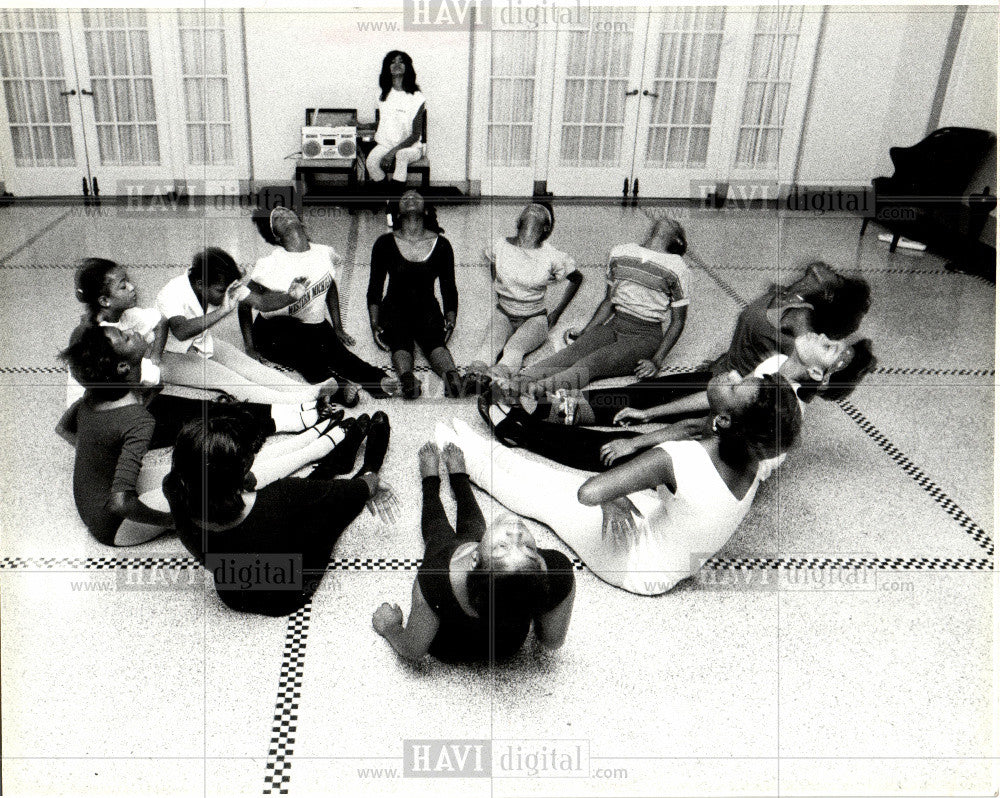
(925, 198)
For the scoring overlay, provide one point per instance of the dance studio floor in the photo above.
(840, 643)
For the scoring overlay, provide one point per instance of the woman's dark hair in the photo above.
(93, 363)
(770, 425)
(430, 217)
(506, 597)
(842, 383)
(91, 281)
(552, 217)
(839, 313)
(677, 240)
(214, 266)
(409, 77)
(210, 465)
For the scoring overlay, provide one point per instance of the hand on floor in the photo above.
(387, 616)
(383, 504)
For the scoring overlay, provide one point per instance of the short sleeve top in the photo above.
(110, 445)
(177, 298)
(758, 335)
(462, 638)
(395, 116)
(276, 272)
(646, 283)
(522, 275)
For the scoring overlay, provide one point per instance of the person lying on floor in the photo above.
(817, 366)
(233, 511)
(406, 313)
(116, 423)
(648, 523)
(298, 323)
(523, 266)
(647, 289)
(479, 590)
(820, 301)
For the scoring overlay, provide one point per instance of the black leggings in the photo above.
(434, 523)
(315, 351)
(650, 392)
(576, 447)
(173, 412)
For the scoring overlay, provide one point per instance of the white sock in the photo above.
(292, 418)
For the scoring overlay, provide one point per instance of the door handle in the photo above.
(648, 93)
(631, 93)
(87, 93)
(70, 93)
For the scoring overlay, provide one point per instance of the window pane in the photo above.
(590, 145)
(570, 145)
(194, 98)
(196, 144)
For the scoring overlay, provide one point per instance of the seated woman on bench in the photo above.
(401, 117)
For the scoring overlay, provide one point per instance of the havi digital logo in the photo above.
(454, 15)
(431, 759)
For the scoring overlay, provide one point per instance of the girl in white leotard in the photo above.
(645, 525)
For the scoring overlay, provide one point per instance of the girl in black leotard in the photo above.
(413, 257)
(266, 545)
(478, 591)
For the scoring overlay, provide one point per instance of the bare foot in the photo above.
(428, 457)
(454, 460)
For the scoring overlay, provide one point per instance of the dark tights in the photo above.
(469, 521)
(650, 392)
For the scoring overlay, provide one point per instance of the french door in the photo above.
(671, 97)
(137, 100)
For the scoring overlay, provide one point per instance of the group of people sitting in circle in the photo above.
(656, 504)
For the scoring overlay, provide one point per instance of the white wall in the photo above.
(297, 60)
(873, 88)
(971, 100)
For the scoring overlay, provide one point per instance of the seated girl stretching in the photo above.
(231, 512)
(820, 300)
(112, 301)
(645, 525)
(414, 256)
(647, 287)
(523, 266)
(193, 303)
(817, 367)
(478, 590)
(113, 427)
(295, 290)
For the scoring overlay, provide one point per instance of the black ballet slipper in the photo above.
(341, 459)
(477, 384)
(410, 384)
(453, 384)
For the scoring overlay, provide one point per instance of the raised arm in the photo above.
(414, 640)
(267, 300)
(159, 341)
(378, 270)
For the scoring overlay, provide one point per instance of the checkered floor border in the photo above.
(917, 474)
(857, 563)
(280, 747)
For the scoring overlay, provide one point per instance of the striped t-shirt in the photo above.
(646, 283)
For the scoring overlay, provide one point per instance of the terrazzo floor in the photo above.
(839, 644)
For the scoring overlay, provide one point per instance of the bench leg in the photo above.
(895, 241)
(864, 226)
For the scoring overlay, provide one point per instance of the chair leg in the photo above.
(864, 226)
(425, 179)
(895, 241)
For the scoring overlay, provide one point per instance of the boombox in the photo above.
(329, 142)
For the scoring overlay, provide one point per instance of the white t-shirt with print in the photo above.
(522, 275)
(177, 298)
(646, 283)
(277, 271)
(395, 116)
(141, 320)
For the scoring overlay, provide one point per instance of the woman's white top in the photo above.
(277, 271)
(395, 116)
(522, 275)
(682, 529)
